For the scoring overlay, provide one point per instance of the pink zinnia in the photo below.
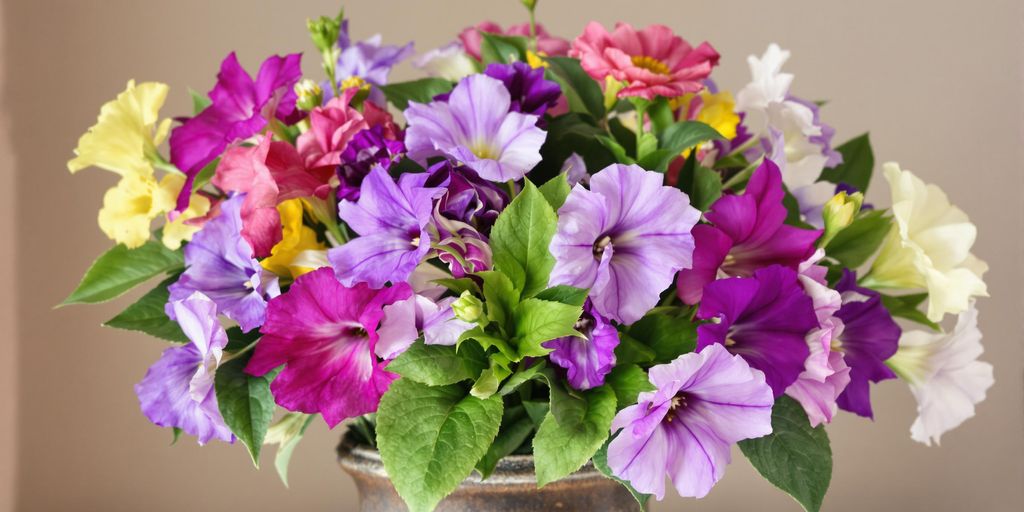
(652, 62)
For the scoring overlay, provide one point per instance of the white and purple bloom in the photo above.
(704, 402)
(220, 264)
(587, 359)
(368, 148)
(391, 220)
(475, 127)
(624, 239)
(177, 390)
(764, 318)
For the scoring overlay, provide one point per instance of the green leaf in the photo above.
(555, 191)
(632, 351)
(516, 427)
(238, 340)
(627, 381)
(668, 336)
(430, 438)
(289, 441)
(702, 185)
(245, 403)
(419, 91)
(860, 240)
(601, 463)
(488, 340)
(459, 285)
(581, 91)
(858, 163)
(686, 134)
(501, 48)
(500, 296)
(521, 376)
(199, 101)
(520, 240)
(647, 144)
(618, 150)
(120, 269)
(906, 306)
(794, 457)
(537, 321)
(564, 294)
(439, 365)
(176, 432)
(147, 315)
(560, 448)
(567, 134)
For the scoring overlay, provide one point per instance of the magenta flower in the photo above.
(651, 62)
(177, 390)
(475, 127)
(703, 403)
(546, 43)
(624, 239)
(240, 108)
(589, 359)
(765, 318)
(747, 232)
(326, 335)
(391, 220)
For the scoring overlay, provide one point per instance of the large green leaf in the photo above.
(516, 427)
(245, 403)
(564, 294)
(147, 315)
(555, 191)
(627, 381)
(439, 365)
(581, 91)
(430, 438)
(669, 336)
(537, 321)
(601, 463)
(419, 91)
(560, 448)
(702, 185)
(684, 135)
(794, 457)
(520, 239)
(501, 48)
(858, 163)
(857, 242)
(120, 269)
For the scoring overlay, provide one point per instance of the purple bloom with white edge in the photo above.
(476, 128)
(824, 139)
(624, 239)
(765, 318)
(590, 358)
(177, 390)
(220, 264)
(404, 320)
(704, 402)
(869, 338)
(367, 149)
(391, 220)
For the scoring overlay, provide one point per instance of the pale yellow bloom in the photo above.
(296, 237)
(929, 247)
(129, 209)
(180, 229)
(126, 133)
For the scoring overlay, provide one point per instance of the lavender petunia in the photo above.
(765, 318)
(220, 264)
(475, 127)
(367, 149)
(590, 358)
(704, 402)
(369, 59)
(177, 390)
(624, 239)
(391, 220)
(530, 93)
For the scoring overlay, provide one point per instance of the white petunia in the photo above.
(449, 62)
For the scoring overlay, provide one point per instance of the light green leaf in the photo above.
(794, 457)
(555, 191)
(860, 240)
(520, 240)
(560, 448)
(564, 294)
(199, 101)
(627, 381)
(521, 376)
(120, 269)
(906, 306)
(516, 427)
(537, 321)
(294, 425)
(581, 91)
(459, 285)
(500, 296)
(858, 164)
(501, 48)
(245, 403)
(601, 463)
(147, 315)
(419, 91)
(430, 438)
(439, 365)
(669, 336)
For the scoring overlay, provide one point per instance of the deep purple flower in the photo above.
(747, 232)
(469, 198)
(220, 264)
(177, 390)
(587, 359)
(391, 220)
(240, 108)
(476, 128)
(764, 318)
(367, 149)
(703, 403)
(624, 239)
(869, 337)
(531, 93)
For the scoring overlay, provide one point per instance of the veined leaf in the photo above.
(120, 269)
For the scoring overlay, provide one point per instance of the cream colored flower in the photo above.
(929, 247)
(183, 226)
(128, 210)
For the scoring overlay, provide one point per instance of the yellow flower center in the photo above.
(651, 64)
(483, 150)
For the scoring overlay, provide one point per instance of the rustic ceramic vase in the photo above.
(511, 488)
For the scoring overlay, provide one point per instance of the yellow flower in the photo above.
(717, 110)
(929, 247)
(179, 230)
(296, 237)
(838, 213)
(535, 61)
(129, 209)
(126, 133)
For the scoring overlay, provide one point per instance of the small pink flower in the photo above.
(546, 43)
(331, 127)
(652, 62)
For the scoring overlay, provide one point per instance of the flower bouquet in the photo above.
(583, 251)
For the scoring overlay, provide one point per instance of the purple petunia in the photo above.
(530, 93)
(369, 59)
(590, 358)
(469, 198)
(367, 149)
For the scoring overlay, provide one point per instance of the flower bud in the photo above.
(529, 4)
(468, 308)
(324, 32)
(839, 213)
(309, 93)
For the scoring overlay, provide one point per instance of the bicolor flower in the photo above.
(624, 239)
(765, 318)
(650, 62)
(177, 390)
(944, 374)
(929, 247)
(703, 403)
(587, 359)
(326, 336)
(468, 198)
(546, 43)
(296, 238)
(747, 232)
(476, 128)
(406, 320)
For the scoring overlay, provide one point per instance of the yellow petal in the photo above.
(179, 230)
(296, 237)
(128, 210)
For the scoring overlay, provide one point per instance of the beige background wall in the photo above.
(937, 83)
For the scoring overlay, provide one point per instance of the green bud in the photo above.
(309, 94)
(324, 32)
(839, 212)
(468, 308)
(529, 4)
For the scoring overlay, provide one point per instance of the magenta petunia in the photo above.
(587, 359)
(624, 239)
(703, 403)
(326, 335)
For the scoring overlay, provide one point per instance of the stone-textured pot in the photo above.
(511, 488)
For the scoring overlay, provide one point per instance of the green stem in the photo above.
(511, 184)
(533, 30)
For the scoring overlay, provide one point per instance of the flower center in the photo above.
(600, 245)
(484, 151)
(679, 403)
(651, 64)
